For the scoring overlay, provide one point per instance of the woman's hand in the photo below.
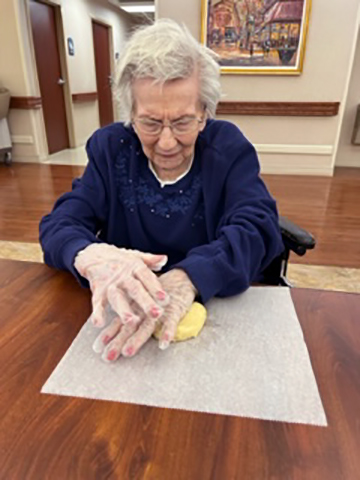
(122, 278)
(127, 339)
(182, 294)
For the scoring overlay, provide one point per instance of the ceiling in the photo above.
(139, 5)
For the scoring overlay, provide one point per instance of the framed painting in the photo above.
(257, 36)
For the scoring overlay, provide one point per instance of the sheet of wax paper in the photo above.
(250, 360)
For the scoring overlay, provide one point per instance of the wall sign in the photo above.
(71, 46)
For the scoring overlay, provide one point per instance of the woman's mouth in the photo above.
(168, 155)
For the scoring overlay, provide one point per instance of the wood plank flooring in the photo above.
(329, 207)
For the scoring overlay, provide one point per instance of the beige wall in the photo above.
(293, 144)
(18, 70)
(348, 154)
(77, 16)
(14, 63)
(11, 58)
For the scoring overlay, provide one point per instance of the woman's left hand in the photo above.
(182, 294)
(128, 339)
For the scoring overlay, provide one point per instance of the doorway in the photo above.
(101, 36)
(51, 82)
(348, 151)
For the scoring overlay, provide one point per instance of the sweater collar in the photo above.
(163, 183)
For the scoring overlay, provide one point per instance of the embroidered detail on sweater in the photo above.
(137, 192)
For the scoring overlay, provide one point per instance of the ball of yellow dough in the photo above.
(190, 326)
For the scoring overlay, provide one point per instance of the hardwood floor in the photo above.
(328, 207)
(27, 192)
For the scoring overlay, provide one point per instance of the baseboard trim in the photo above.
(295, 149)
(267, 169)
(22, 139)
(296, 165)
(27, 158)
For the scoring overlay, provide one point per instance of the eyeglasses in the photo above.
(183, 126)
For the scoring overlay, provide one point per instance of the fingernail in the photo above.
(155, 312)
(129, 351)
(98, 346)
(163, 345)
(161, 295)
(106, 339)
(111, 355)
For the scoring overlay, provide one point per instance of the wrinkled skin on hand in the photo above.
(122, 278)
(127, 339)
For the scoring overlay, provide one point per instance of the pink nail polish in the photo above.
(106, 340)
(111, 355)
(161, 295)
(130, 351)
(154, 312)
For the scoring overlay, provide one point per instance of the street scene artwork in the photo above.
(257, 36)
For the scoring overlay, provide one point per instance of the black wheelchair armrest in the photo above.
(295, 238)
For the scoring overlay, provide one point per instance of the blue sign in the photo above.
(71, 46)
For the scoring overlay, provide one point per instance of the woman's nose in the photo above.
(167, 141)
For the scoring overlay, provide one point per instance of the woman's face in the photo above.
(176, 101)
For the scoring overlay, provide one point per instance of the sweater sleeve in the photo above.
(77, 216)
(247, 237)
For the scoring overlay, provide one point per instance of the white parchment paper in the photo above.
(250, 360)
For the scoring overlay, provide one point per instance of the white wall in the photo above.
(328, 59)
(348, 155)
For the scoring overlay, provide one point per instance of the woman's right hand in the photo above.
(121, 278)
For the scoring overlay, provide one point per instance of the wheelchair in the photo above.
(295, 240)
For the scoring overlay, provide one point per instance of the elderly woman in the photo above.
(169, 190)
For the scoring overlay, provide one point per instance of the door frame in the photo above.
(63, 67)
(94, 18)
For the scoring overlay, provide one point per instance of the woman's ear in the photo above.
(202, 125)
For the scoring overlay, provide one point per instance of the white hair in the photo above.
(166, 51)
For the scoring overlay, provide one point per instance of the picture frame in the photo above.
(355, 138)
(257, 37)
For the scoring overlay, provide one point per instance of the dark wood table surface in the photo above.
(54, 437)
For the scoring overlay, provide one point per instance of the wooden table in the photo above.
(45, 436)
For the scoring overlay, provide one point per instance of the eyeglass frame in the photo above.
(168, 123)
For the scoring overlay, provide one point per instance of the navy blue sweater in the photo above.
(218, 223)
